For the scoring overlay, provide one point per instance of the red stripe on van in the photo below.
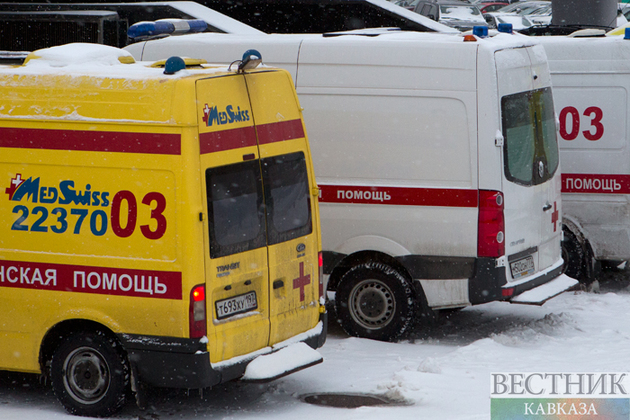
(235, 138)
(91, 141)
(595, 184)
(280, 131)
(87, 279)
(401, 196)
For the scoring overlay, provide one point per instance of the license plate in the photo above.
(236, 305)
(523, 267)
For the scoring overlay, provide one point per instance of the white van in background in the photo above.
(437, 161)
(591, 81)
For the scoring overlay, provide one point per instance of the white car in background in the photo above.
(521, 14)
(518, 22)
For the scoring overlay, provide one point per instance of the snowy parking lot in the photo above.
(442, 374)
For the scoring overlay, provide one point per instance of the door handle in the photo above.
(278, 284)
(547, 207)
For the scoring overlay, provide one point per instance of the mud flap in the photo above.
(288, 360)
(542, 293)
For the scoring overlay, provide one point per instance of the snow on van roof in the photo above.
(84, 59)
(496, 40)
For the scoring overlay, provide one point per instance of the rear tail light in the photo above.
(491, 227)
(320, 261)
(198, 311)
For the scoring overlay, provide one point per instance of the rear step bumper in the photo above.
(541, 294)
(285, 361)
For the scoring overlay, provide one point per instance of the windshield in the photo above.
(461, 13)
(544, 10)
(529, 130)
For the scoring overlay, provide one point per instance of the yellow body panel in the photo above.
(104, 212)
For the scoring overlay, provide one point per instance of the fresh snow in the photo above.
(439, 374)
(285, 360)
(95, 60)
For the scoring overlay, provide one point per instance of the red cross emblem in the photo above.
(554, 216)
(206, 112)
(15, 183)
(301, 281)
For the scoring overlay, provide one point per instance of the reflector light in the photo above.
(320, 259)
(470, 38)
(507, 292)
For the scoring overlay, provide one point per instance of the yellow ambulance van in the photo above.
(159, 225)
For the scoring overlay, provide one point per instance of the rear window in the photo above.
(259, 202)
(235, 208)
(529, 129)
(287, 197)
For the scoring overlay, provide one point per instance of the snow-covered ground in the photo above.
(443, 374)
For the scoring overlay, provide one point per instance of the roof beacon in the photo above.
(173, 65)
(505, 28)
(251, 60)
(480, 31)
(166, 27)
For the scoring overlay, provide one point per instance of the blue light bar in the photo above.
(166, 27)
(480, 31)
(505, 27)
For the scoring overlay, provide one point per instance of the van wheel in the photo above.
(574, 257)
(374, 300)
(90, 375)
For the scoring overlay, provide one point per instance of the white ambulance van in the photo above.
(591, 81)
(437, 160)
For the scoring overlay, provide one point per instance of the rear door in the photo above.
(551, 223)
(290, 206)
(237, 273)
(530, 160)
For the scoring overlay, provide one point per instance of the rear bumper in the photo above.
(490, 282)
(185, 363)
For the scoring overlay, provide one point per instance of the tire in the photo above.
(90, 375)
(375, 301)
(576, 259)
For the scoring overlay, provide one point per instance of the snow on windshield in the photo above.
(469, 13)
